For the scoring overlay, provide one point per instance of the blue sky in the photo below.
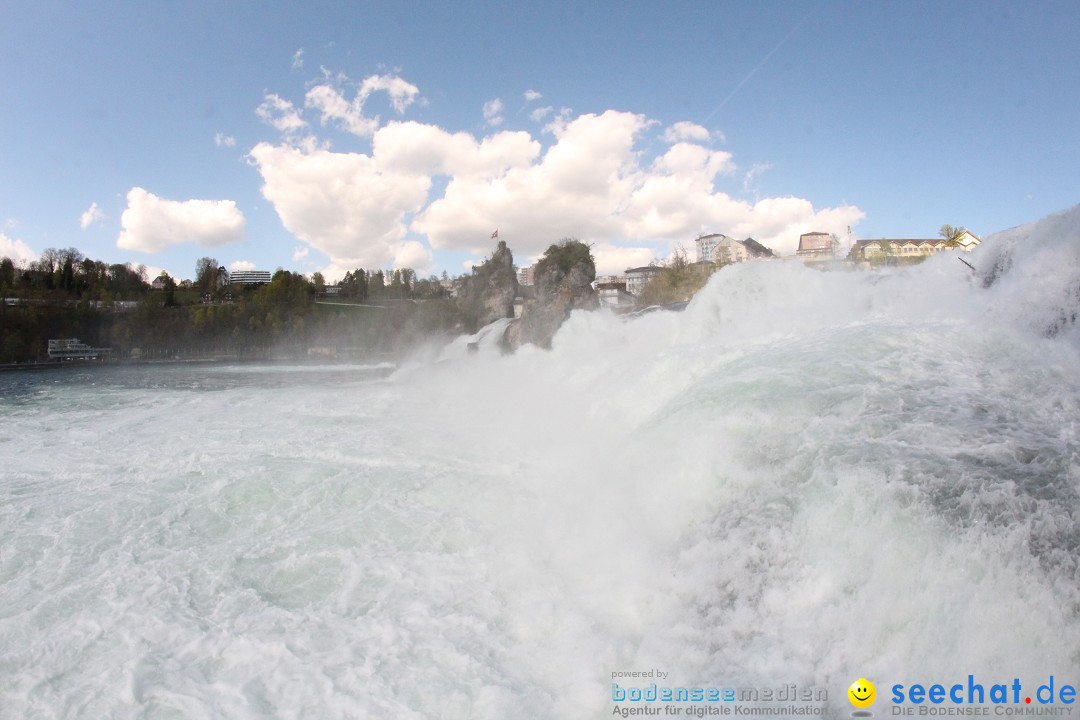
(331, 135)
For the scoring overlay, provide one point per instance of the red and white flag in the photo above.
(494, 234)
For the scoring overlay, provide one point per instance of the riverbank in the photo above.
(44, 365)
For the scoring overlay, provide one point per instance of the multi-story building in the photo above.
(723, 250)
(637, 278)
(889, 249)
(757, 250)
(815, 246)
(611, 291)
(728, 251)
(526, 275)
(249, 277)
(706, 246)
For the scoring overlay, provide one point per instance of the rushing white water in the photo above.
(805, 477)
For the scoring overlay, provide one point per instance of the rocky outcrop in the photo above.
(488, 294)
(563, 283)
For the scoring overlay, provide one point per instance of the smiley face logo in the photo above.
(862, 693)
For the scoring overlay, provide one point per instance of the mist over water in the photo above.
(804, 478)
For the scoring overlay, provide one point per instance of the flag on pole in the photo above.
(494, 234)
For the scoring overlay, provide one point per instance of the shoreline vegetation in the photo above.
(375, 315)
(369, 316)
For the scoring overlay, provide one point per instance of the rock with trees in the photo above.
(562, 283)
(488, 293)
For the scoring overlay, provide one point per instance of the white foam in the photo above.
(805, 477)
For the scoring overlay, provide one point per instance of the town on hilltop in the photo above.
(640, 285)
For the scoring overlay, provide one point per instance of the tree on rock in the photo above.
(488, 294)
(563, 283)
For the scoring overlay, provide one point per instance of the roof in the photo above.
(644, 269)
(757, 249)
(903, 241)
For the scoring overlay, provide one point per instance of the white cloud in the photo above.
(280, 114)
(333, 108)
(19, 252)
(493, 112)
(681, 131)
(242, 265)
(576, 189)
(540, 113)
(686, 160)
(594, 181)
(532, 96)
(298, 59)
(90, 216)
(612, 260)
(152, 271)
(417, 148)
(591, 184)
(752, 175)
(413, 254)
(402, 93)
(151, 223)
(300, 253)
(223, 140)
(346, 205)
(559, 121)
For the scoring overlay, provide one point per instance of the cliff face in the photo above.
(563, 283)
(488, 294)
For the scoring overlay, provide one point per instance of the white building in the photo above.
(525, 275)
(729, 250)
(73, 349)
(967, 241)
(637, 278)
(611, 292)
(706, 246)
(249, 277)
(889, 249)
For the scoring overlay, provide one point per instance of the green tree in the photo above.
(7, 274)
(67, 275)
(169, 286)
(395, 289)
(355, 284)
(565, 254)
(952, 234)
(126, 283)
(207, 274)
(408, 280)
(47, 262)
(676, 282)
